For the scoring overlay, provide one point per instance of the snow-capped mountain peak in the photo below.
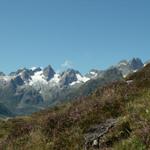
(122, 63)
(38, 77)
(48, 72)
(66, 78)
(94, 73)
(80, 79)
(47, 76)
(136, 63)
(37, 86)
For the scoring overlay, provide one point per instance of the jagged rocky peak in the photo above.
(12, 74)
(69, 76)
(124, 67)
(26, 74)
(123, 63)
(18, 80)
(94, 70)
(113, 73)
(48, 72)
(20, 71)
(127, 67)
(94, 73)
(17, 72)
(2, 74)
(36, 69)
(70, 71)
(136, 63)
(23, 74)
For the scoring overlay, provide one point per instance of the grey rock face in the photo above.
(136, 63)
(2, 74)
(31, 97)
(127, 67)
(23, 73)
(68, 77)
(17, 72)
(94, 73)
(12, 74)
(11, 86)
(94, 133)
(48, 72)
(124, 67)
(36, 69)
(112, 74)
(26, 75)
(18, 81)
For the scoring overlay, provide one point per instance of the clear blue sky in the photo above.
(89, 33)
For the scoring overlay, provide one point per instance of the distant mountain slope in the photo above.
(106, 77)
(115, 116)
(29, 90)
(127, 67)
(5, 112)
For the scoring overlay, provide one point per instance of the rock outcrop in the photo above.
(96, 132)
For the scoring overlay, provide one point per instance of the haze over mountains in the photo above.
(28, 90)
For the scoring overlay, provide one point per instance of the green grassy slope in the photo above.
(63, 127)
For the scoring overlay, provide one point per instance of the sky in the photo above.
(82, 34)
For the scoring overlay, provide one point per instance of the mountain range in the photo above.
(115, 116)
(29, 90)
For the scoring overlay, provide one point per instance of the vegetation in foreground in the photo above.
(63, 127)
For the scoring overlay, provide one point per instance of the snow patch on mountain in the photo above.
(93, 74)
(33, 68)
(80, 79)
(122, 64)
(6, 78)
(38, 77)
(55, 80)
